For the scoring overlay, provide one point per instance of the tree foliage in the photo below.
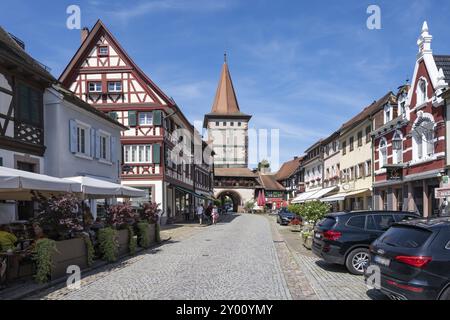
(311, 211)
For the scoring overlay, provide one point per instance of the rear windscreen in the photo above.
(328, 222)
(405, 237)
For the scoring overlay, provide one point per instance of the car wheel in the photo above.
(357, 260)
(445, 295)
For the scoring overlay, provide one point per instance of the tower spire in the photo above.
(225, 101)
(225, 57)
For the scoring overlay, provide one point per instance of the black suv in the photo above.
(344, 238)
(414, 260)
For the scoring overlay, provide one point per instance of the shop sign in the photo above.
(394, 173)
(441, 193)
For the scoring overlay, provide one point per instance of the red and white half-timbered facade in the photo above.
(409, 138)
(102, 74)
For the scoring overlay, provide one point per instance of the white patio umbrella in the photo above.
(17, 184)
(98, 189)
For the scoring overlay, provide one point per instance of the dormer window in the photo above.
(421, 92)
(103, 51)
(115, 86)
(95, 86)
(387, 113)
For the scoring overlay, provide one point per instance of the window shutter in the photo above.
(156, 153)
(94, 147)
(157, 117)
(97, 145)
(113, 141)
(132, 118)
(73, 136)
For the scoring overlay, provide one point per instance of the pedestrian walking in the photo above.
(208, 213)
(200, 210)
(215, 215)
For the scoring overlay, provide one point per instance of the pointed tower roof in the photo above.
(225, 103)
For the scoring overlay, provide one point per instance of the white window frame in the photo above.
(148, 119)
(388, 114)
(421, 93)
(99, 48)
(421, 143)
(96, 87)
(116, 87)
(107, 137)
(87, 139)
(137, 153)
(382, 152)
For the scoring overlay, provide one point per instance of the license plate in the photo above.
(383, 261)
(317, 235)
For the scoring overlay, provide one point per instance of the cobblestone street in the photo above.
(243, 257)
(231, 260)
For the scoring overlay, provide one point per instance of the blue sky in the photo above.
(303, 67)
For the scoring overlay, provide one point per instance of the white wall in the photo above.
(60, 162)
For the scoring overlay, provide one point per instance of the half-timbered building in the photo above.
(23, 82)
(103, 74)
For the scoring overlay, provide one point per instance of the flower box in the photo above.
(68, 252)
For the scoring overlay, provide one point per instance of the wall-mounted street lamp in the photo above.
(397, 143)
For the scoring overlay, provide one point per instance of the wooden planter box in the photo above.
(152, 232)
(68, 252)
(123, 239)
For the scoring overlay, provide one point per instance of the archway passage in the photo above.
(230, 198)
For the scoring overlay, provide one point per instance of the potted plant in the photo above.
(60, 220)
(120, 217)
(295, 224)
(311, 212)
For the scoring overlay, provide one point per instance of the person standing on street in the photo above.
(200, 213)
(215, 215)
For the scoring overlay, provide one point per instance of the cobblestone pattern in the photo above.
(329, 282)
(234, 260)
(297, 282)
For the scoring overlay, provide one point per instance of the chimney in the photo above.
(84, 34)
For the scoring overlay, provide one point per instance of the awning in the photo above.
(319, 194)
(18, 184)
(357, 192)
(97, 188)
(334, 197)
(342, 196)
(303, 196)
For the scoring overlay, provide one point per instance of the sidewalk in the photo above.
(327, 281)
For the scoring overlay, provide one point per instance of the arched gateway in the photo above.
(227, 130)
(234, 196)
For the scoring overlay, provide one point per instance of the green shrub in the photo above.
(132, 241)
(90, 250)
(109, 246)
(311, 211)
(42, 255)
(143, 234)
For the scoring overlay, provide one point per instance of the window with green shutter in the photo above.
(30, 104)
(157, 117)
(132, 118)
(157, 153)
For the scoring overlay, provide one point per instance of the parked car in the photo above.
(344, 238)
(414, 260)
(284, 217)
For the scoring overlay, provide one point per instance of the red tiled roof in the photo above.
(269, 182)
(288, 168)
